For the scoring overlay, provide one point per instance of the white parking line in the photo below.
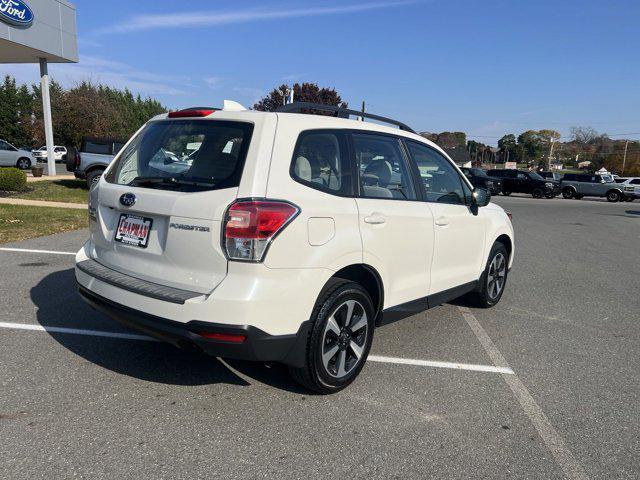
(431, 363)
(372, 358)
(29, 250)
(552, 439)
(75, 331)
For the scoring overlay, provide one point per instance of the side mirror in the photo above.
(480, 197)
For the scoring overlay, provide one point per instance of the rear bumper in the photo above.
(257, 346)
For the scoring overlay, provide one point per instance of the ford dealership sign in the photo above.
(16, 12)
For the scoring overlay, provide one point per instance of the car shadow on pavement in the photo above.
(59, 305)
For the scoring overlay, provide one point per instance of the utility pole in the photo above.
(362, 110)
(550, 153)
(624, 158)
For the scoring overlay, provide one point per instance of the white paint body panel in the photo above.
(413, 255)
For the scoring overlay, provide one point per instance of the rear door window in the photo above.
(101, 148)
(321, 161)
(382, 167)
(184, 155)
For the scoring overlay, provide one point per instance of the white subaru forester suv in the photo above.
(286, 236)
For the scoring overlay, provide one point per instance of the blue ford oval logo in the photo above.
(127, 199)
(16, 12)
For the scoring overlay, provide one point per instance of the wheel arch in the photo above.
(363, 274)
(95, 166)
(505, 240)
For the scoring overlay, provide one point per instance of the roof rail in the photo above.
(297, 107)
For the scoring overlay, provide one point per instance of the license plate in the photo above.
(133, 230)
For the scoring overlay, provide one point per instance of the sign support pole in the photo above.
(46, 111)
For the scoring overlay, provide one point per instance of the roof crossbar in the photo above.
(297, 107)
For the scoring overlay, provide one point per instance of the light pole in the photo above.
(624, 158)
(46, 110)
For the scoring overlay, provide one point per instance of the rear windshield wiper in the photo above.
(192, 181)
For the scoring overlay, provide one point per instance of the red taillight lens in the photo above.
(250, 226)
(78, 159)
(223, 337)
(510, 215)
(191, 113)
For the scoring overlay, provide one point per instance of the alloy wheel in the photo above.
(344, 339)
(496, 276)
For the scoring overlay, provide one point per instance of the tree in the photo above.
(306, 92)
(508, 147)
(16, 109)
(448, 139)
(584, 135)
(93, 110)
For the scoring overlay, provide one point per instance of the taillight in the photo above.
(78, 159)
(510, 215)
(251, 225)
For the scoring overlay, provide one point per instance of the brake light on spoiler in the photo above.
(192, 112)
(251, 225)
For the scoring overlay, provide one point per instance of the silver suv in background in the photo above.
(578, 185)
(93, 158)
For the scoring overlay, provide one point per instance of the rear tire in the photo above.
(568, 193)
(537, 193)
(613, 196)
(494, 278)
(23, 163)
(339, 341)
(93, 176)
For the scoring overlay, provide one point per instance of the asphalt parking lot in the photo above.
(558, 397)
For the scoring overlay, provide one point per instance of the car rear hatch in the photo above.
(159, 211)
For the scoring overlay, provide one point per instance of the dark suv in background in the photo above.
(479, 178)
(518, 181)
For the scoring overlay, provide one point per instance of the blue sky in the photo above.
(483, 67)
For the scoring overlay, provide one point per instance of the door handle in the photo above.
(442, 221)
(374, 219)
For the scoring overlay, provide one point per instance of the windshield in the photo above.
(535, 176)
(185, 155)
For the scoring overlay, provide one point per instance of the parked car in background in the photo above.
(92, 159)
(518, 181)
(59, 153)
(551, 175)
(11, 156)
(630, 188)
(265, 246)
(578, 185)
(479, 178)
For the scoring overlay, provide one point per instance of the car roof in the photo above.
(304, 121)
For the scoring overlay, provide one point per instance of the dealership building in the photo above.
(43, 32)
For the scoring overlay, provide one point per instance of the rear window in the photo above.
(184, 155)
(97, 147)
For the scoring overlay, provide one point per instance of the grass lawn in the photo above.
(73, 191)
(19, 222)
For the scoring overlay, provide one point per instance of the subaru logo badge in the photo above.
(127, 199)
